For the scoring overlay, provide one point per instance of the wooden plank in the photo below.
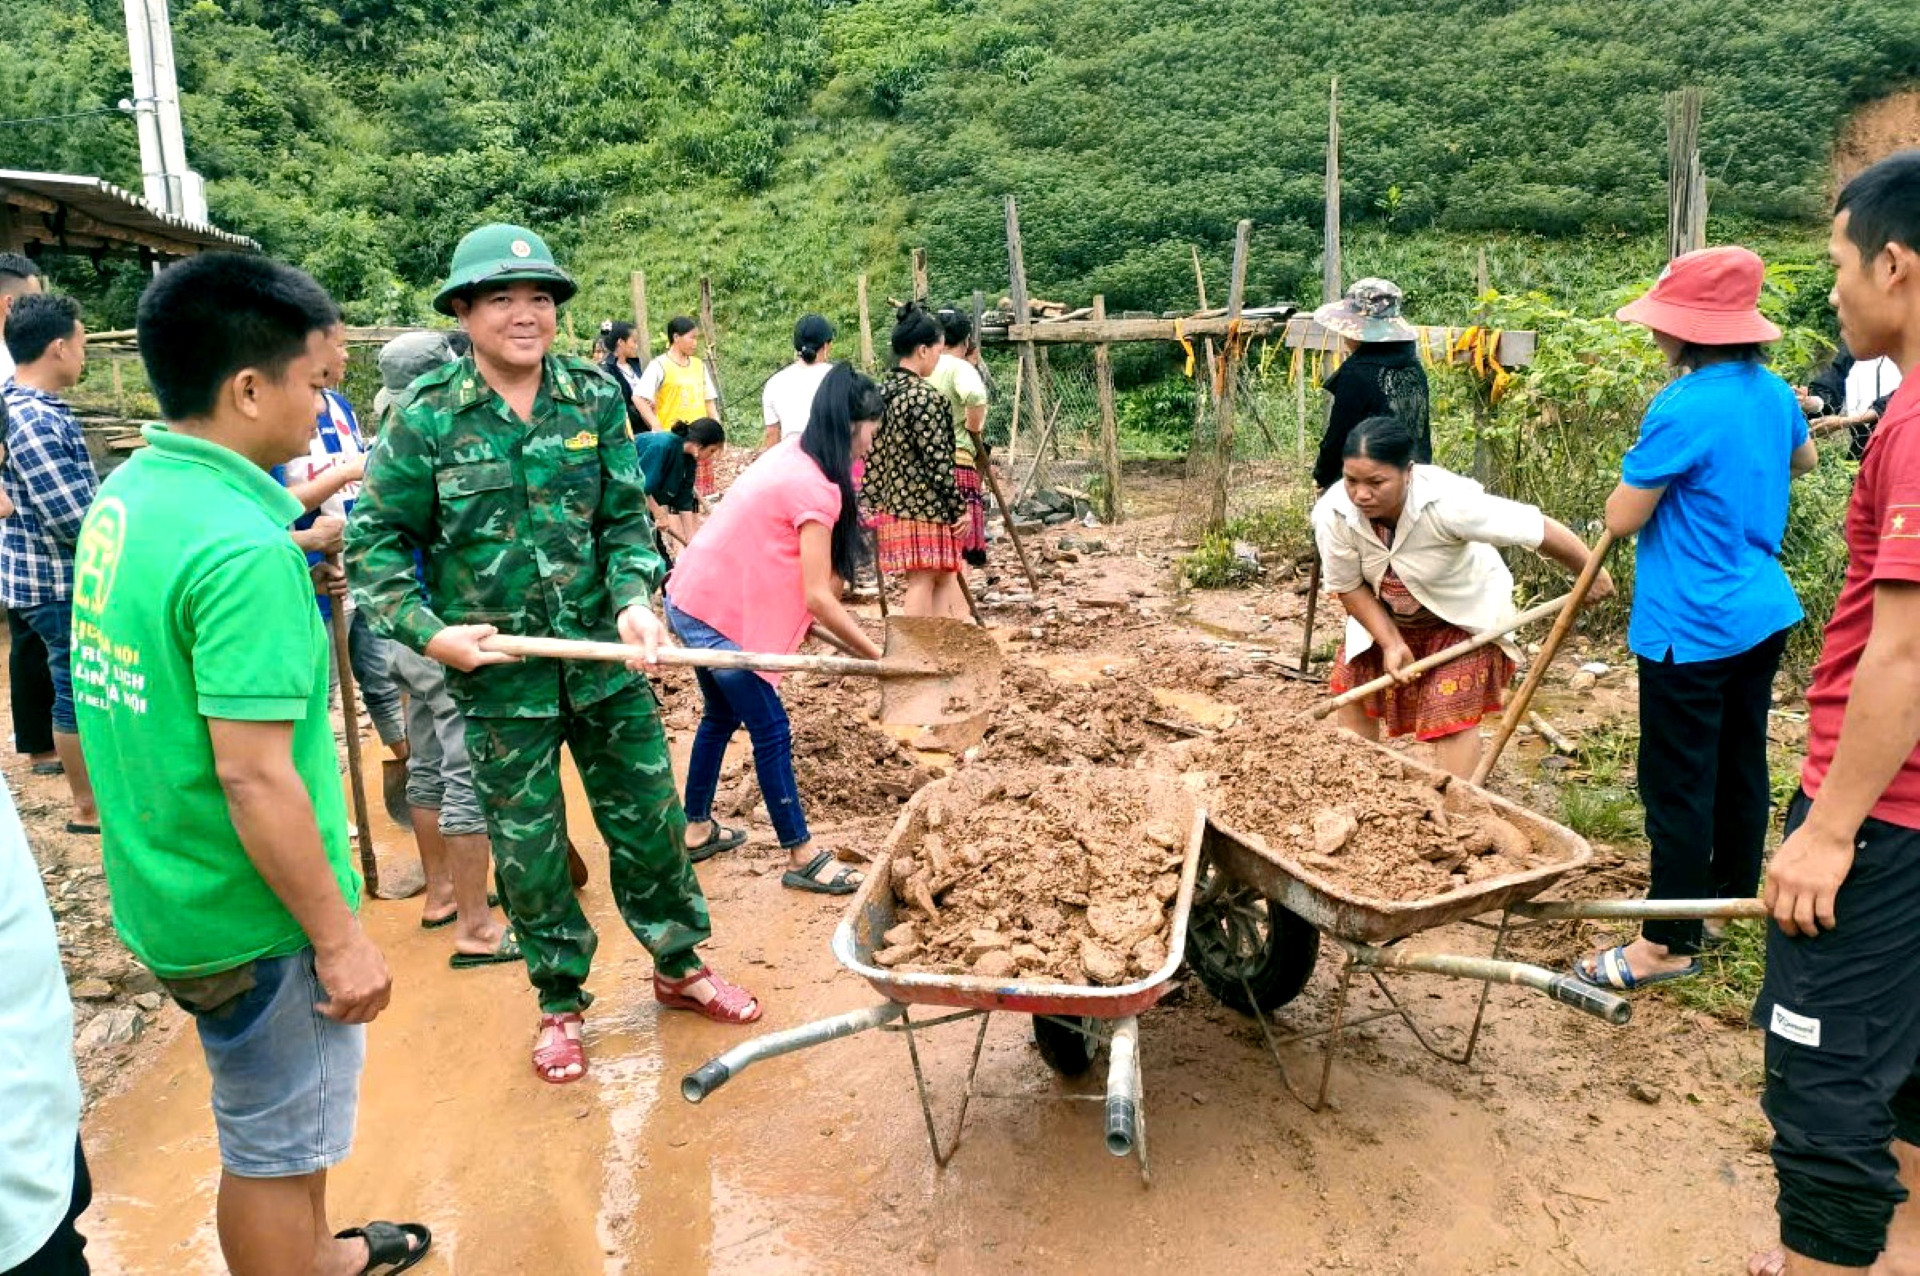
(1223, 411)
(866, 329)
(1517, 345)
(712, 334)
(637, 284)
(1115, 331)
(1111, 504)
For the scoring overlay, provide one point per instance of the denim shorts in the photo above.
(54, 623)
(286, 1079)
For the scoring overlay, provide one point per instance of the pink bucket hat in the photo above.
(1709, 297)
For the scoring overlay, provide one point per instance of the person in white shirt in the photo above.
(1411, 552)
(44, 1186)
(787, 402)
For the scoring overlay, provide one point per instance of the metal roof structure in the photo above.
(86, 214)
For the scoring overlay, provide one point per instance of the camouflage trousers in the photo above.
(621, 750)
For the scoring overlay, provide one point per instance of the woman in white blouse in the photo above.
(1411, 551)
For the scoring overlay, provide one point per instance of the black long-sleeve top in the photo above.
(1380, 379)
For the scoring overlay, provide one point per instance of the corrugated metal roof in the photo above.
(109, 209)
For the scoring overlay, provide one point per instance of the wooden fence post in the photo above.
(1482, 446)
(637, 285)
(866, 329)
(1331, 281)
(920, 289)
(1686, 178)
(1229, 358)
(1110, 501)
(1029, 365)
(712, 335)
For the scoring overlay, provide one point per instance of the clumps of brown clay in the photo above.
(1051, 876)
(845, 766)
(1045, 721)
(1360, 819)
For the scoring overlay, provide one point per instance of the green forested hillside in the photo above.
(784, 145)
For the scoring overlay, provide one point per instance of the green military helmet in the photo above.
(499, 254)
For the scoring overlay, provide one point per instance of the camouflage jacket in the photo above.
(537, 529)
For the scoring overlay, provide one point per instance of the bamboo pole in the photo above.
(1017, 281)
(1200, 290)
(1229, 358)
(866, 329)
(1331, 279)
(637, 285)
(1111, 505)
(1482, 445)
(712, 334)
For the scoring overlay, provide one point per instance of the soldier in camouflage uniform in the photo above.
(511, 471)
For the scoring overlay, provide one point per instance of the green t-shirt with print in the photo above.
(192, 602)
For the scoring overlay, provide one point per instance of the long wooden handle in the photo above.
(702, 657)
(1006, 515)
(1516, 711)
(349, 719)
(1479, 640)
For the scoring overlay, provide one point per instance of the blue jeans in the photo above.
(735, 698)
(53, 622)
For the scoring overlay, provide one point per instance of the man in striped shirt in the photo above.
(49, 479)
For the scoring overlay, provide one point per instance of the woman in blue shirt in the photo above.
(1705, 487)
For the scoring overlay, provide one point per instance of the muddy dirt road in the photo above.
(1536, 1159)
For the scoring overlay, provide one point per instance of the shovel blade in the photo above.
(952, 706)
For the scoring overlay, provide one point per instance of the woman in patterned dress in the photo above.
(1410, 550)
(918, 511)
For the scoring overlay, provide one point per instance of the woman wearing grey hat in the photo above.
(1381, 376)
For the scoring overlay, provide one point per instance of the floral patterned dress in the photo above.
(909, 482)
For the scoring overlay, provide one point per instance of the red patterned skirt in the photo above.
(909, 545)
(1444, 701)
(703, 480)
(968, 480)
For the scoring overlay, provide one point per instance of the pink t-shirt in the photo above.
(741, 574)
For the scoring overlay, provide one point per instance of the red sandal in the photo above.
(731, 1003)
(570, 1051)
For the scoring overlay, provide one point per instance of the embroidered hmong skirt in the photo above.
(1445, 701)
(909, 545)
(703, 480)
(968, 480)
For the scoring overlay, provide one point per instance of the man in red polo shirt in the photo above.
(1841, 1002)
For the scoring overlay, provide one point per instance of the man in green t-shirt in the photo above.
(199, 671)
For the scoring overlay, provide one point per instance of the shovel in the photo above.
(940, 675)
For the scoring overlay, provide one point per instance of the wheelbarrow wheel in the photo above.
(1068, 1051)
(1241, 942)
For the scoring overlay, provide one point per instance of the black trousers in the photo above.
(1703, 779)
(31, 687)
(1841, 1011)
(64, 1253)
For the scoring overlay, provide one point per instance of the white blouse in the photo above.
(1443, 549)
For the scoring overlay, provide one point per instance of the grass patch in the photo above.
(1730, 975)
(1601, 812)
(1214, 565)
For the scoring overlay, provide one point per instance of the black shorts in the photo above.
(1841, 1013)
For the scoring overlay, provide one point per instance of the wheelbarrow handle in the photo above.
(716, 1072)
(1584, 997)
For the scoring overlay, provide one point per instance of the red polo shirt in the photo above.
(1883, 545)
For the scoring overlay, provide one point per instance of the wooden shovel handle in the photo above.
(1459, 649)
(1516, 711)
(701, 657)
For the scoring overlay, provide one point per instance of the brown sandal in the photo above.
(731, 1003)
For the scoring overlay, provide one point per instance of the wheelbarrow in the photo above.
(1253, 940)
(1071, 1022)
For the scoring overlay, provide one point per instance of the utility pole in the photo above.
(170, 185)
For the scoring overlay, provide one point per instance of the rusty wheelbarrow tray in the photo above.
(1070, 1021)
(1254, 938)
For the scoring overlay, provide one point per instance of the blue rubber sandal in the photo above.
(1614, 974)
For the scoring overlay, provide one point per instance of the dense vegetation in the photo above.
(782, 145)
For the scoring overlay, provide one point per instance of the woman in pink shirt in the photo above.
(772, 559)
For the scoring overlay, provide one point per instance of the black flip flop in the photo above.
(493, 901)
(507, 953)
(48, 768)
(85, 830)
(721, 839)
(388, 1250)
(803, 879)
